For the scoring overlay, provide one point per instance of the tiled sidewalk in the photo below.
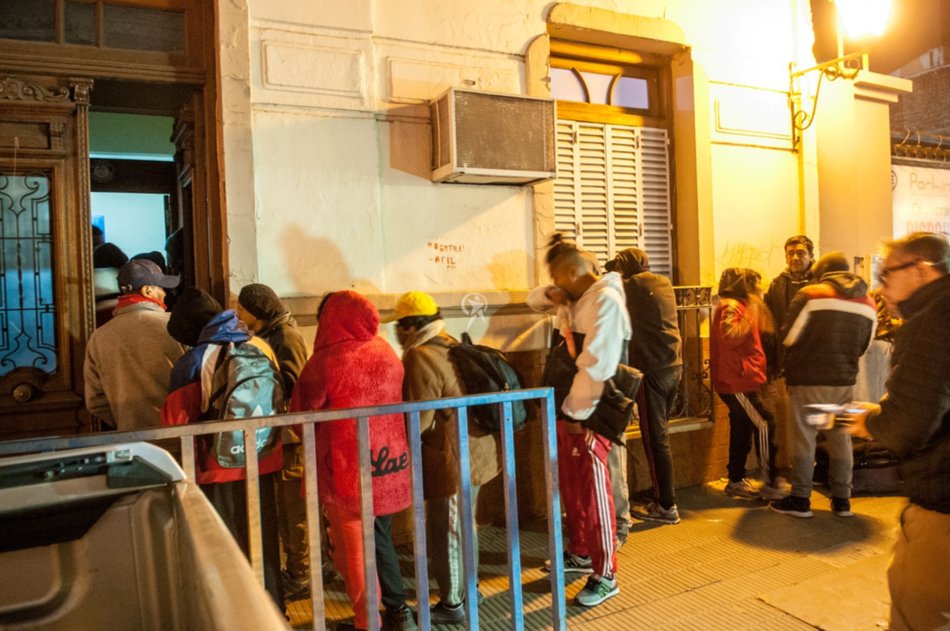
(730, 564)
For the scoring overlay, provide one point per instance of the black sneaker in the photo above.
(841, 507)
(399, 619)
(445, 614)
(794, 506)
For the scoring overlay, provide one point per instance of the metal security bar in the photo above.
(306, 420)
(693, 309)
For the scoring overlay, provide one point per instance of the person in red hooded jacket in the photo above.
(738, 372)
(352, 367)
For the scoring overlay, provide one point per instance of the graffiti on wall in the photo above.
(444, 255)
(754, 256)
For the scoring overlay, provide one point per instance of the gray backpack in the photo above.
(245, 384)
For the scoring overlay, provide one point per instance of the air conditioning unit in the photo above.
(481, 138)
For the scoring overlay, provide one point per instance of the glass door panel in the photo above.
(27, 300)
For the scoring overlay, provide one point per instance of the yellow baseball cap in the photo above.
(413, 303)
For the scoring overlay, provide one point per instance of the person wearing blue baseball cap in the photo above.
(129, 358)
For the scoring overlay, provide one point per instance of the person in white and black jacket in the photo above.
(593, 306)
(829, 326)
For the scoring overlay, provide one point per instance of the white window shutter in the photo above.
(657, 223)
(612, 190)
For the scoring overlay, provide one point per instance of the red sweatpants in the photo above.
(347, 536)
(588, 499)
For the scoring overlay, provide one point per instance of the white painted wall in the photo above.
(331, 129)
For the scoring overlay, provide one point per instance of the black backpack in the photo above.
(245, 384)
(485, 369)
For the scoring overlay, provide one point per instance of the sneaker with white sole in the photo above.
(573, 564)
(654, 512)
(794, 506)
(743, 489)
(597, 590)
(841, 507)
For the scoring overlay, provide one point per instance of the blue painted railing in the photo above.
(306, 420)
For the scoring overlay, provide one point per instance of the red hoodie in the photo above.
(352, 367)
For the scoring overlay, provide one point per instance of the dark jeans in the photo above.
(657, 394)
(230, 500)
(391, 585)
(748, 416)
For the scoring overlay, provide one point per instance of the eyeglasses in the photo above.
(887, 271)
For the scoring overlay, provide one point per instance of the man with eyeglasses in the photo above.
(913, 420)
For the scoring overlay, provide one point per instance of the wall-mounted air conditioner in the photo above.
(480, 138)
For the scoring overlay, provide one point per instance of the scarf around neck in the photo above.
(130, 299)
(423, 335)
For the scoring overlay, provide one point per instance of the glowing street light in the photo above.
(861, 18)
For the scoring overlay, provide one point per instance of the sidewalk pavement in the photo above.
(730, 564)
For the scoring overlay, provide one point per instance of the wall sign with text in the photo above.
(921, 200)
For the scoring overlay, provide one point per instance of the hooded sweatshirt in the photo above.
(189, 389)
(651, 304)
(352, 367)
(829, 326)
(600, 314)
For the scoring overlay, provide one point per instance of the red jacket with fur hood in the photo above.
(352, 367)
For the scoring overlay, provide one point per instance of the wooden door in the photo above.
(46, 297)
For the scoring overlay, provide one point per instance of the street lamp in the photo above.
(859, 19)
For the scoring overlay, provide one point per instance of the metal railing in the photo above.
(693, 308)
(306, 420)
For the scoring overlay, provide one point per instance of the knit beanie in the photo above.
(831, 262)
(191, 313)
(261, 301)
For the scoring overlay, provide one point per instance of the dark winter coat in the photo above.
(655, 341)
(352, 367)
(282, 335)
(778, 299)
(829, 326)
(914, 420)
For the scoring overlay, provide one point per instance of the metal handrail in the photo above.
(362, 415)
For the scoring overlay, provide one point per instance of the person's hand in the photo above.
(557, 295)
(855, 418)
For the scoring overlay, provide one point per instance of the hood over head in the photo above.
(830, 262)
(833, 269)
(191, 313)
(346, 316)
(629, 262)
